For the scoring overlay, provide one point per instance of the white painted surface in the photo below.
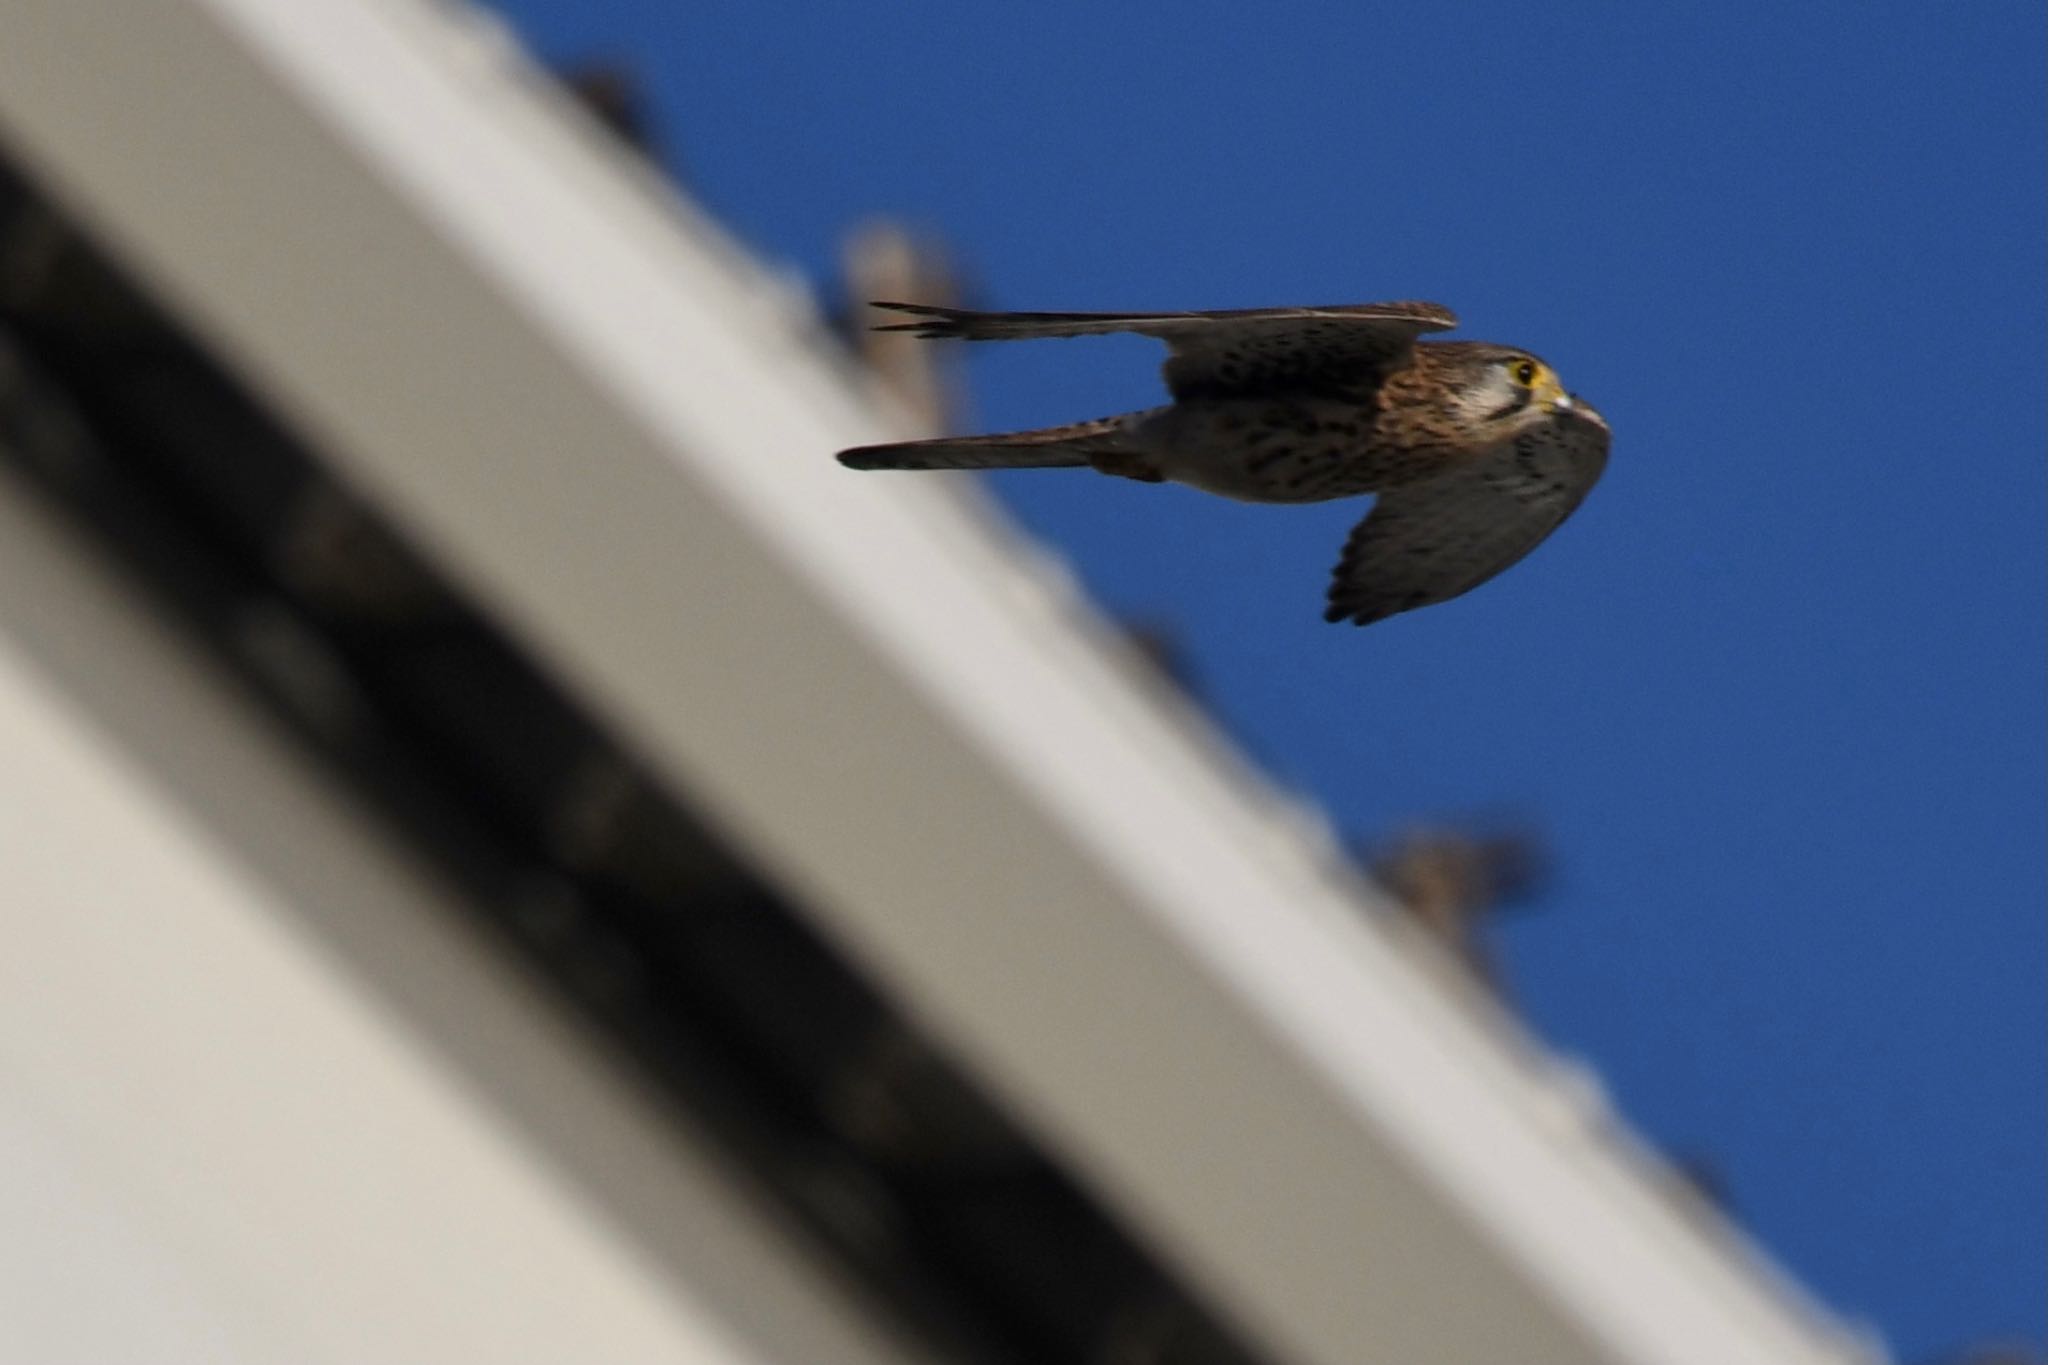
(264, 1097)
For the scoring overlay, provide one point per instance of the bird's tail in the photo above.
(1047, 448)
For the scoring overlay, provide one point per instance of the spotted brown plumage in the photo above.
(1476, 451)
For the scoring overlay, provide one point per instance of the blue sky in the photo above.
(1775, 695)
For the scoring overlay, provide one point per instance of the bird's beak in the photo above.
(1578, 407)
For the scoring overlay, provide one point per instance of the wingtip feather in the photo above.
(930, 320)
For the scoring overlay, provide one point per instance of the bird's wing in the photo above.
(1428, 542)
(1226, 352)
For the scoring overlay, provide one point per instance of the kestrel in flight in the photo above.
(1476, 451)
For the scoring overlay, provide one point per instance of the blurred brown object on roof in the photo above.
(1164, 647)
(1704, 1177)
(613, 94)
(1450, 880)
(883, 260)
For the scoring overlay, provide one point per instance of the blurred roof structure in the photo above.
(973, 944)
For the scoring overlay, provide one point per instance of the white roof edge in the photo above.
(571, 390)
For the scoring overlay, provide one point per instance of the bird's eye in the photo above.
(1525, 372)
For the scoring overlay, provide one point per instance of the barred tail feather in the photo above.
(1051, 448)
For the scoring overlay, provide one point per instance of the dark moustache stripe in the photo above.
(1520, 401)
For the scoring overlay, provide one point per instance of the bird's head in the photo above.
(1502, 389)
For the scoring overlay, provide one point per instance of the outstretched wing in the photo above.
(1431, 541)
(1227, 352)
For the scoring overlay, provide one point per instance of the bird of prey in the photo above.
(1476, 451)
